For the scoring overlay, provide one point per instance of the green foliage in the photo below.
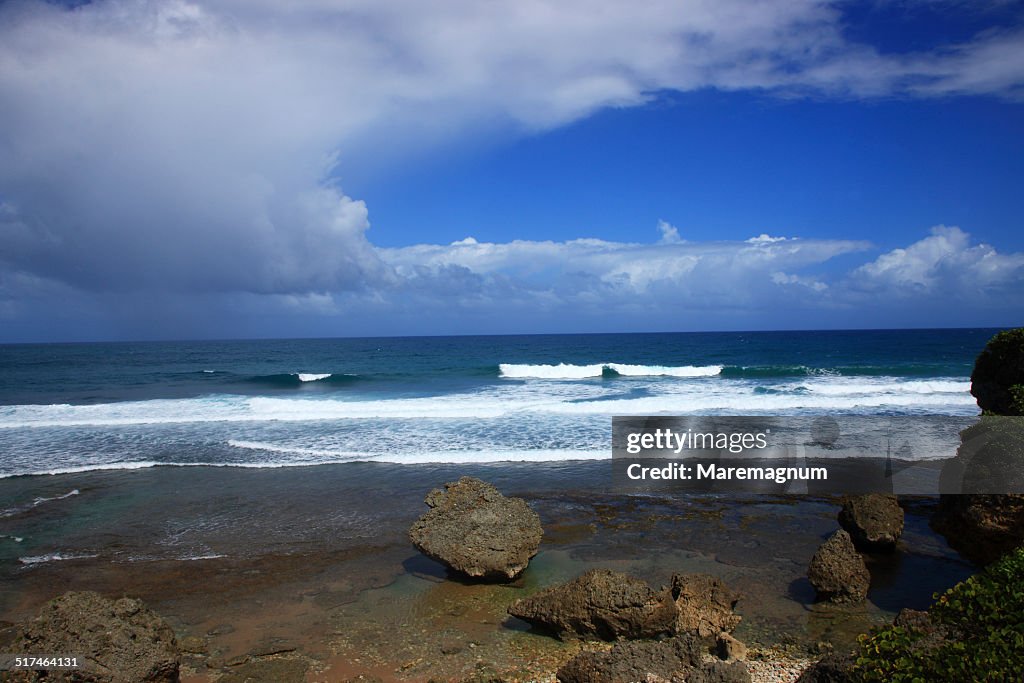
(1017, 399)
(998, 377)
(977, 634)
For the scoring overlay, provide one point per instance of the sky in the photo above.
(248, 168)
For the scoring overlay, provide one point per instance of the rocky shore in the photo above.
(608, 594)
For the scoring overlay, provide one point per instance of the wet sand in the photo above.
(345, 602)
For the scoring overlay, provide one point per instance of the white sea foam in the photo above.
(886, 386)
(10, 512)
(313, 456)
(55, 557)
(566, 371)
(312, 377)
(739, 397)
(74, 469)
(665, 371)
(560, 371)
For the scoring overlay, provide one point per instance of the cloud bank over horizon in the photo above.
(179, 155)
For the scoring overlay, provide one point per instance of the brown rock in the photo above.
(874, 521)
(981, 527)
(120, 641)
(705, 605)
(833, 668)
(476, 531)
(720, 672)
(728, 648)
(602, 603)
(634, 661)
(838, 572)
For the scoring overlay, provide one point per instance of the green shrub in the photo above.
(998, 377)
(977, 634)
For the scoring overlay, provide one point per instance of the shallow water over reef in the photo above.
(316, 561)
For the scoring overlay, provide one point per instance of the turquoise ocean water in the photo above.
(275, 403)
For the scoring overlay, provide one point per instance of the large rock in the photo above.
(120, 641)
(981, 512)
(838, 572)
(874, 521)
(998, 377)
(634, 661)
(981, 527)
(602, 603)
(476, 531)
(705, 605)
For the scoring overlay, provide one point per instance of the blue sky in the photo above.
(220, 168)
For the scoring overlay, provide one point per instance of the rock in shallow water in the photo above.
(602, 603)
(476, 531)
(874, 521)
(121, 641)
(837, 571)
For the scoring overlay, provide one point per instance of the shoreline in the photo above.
(335, 608)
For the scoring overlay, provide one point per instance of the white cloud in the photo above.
(184, 145)
(944, 262)
(606, 274)
(669, 233)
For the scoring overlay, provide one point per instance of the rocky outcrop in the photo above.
(838, 572)
(998, 377)
(981, 511)
(874, 521)
(634, 661)
(705, 605)
(476, 531)
(120, 641)
(602, 603)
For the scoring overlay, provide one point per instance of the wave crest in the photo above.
(567, 371)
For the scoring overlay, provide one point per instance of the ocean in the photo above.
(277, 403)
(269, 485)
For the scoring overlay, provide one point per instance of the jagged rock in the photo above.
(833, 668)
(874, 521)
(600, 603)
(838, 572)
(720, 672)
(633, 661)
(705, 605)
(476, 531)
(120, 641)
(728, 648)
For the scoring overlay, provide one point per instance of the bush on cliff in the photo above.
(976, 633)
(998, 378)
